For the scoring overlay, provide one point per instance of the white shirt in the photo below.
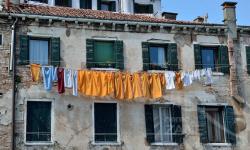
(170, 76)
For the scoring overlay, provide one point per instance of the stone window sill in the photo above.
(164, 144)
(218, 74)
(39, 143)
(218, 144)
(107, 144)
(105, 69)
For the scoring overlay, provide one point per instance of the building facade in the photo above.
(199, 116)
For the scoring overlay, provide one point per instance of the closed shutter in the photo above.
(223, 59)
(119, 55)
(90, 53)
(176, 124)
(145, 55)
(248, 58)
(55, 51)
(149, 123)
(99, 4)
(113, 6)
(172, 57)
(197, 57)
(202, 124)
(24, 50)
(230, 125)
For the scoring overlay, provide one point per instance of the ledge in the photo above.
(106, 144)
(39, 143)
(164, 144)
(219, 144)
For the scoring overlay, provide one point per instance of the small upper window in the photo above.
(40, 1)
(64, 3)
(105, 122)
(86, 4)
(143, 8)
(38, 123)
(1, 39)
(107, 5)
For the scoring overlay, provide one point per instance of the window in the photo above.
(248, 59)
(64, 3)
(163, 124)
(44, 51)
(216, 124)
(107, 5)
(143, 8)
(39, 51)
(159, 56)
(215, 57)
(86, 4)
(1, 39)
(104, 54)
(38, 122)
(105, 121)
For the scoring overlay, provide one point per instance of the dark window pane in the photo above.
(143, 8)
(41, 1)
(38, 121)
(158, 57)
(104, 54)
(1, 39)
(107, 5)
(86, 4)
(65, 3)
(105, 122)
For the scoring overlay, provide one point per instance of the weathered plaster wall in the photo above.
(5, 89)
(73, 129)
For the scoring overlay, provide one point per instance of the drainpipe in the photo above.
(13, 62)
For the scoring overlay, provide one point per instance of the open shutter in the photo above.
(223, 59)
(172, 57)
(99, 4)
(248, 58)
(24, 50)
(145, 55)
(90, 53)
(119, 55)
(55, 51)
(202, 124)
(149, 123)
(197, 57)
(176, 124)
(230, 125)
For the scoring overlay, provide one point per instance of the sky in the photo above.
(190, 9)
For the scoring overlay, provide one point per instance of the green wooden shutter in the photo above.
(176, 124)
(172, 56)
(223, 59)
(202, 124)
(248, 58)
(55, 51)
(145, 55)
(197, 56)
(119, 55)
(149, 123)
(24, 50)
(230, 125)
(90, 53)
(99, 4)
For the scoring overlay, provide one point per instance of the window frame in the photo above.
(118, 141)
(109, 1)
(138, 6)
(51, 142)
(159, 108)
(165, 46)
(41, 39)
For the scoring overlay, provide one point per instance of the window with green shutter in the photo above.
(159, 56)
(216, 124)
(43, 51)
(215, 57)
(104, 54)
(106, 5)
(248, 59)
(163, 124)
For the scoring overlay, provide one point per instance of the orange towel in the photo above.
(178, 81)
(128, 92)
(35, 72)
(137, 85)
(80, 80)
(119, 93)
(111, 82)
(156, 90)
(145, 85)
(103, 83)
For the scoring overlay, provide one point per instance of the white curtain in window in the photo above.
(161, 56)
(157, 56)
(38, 52)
